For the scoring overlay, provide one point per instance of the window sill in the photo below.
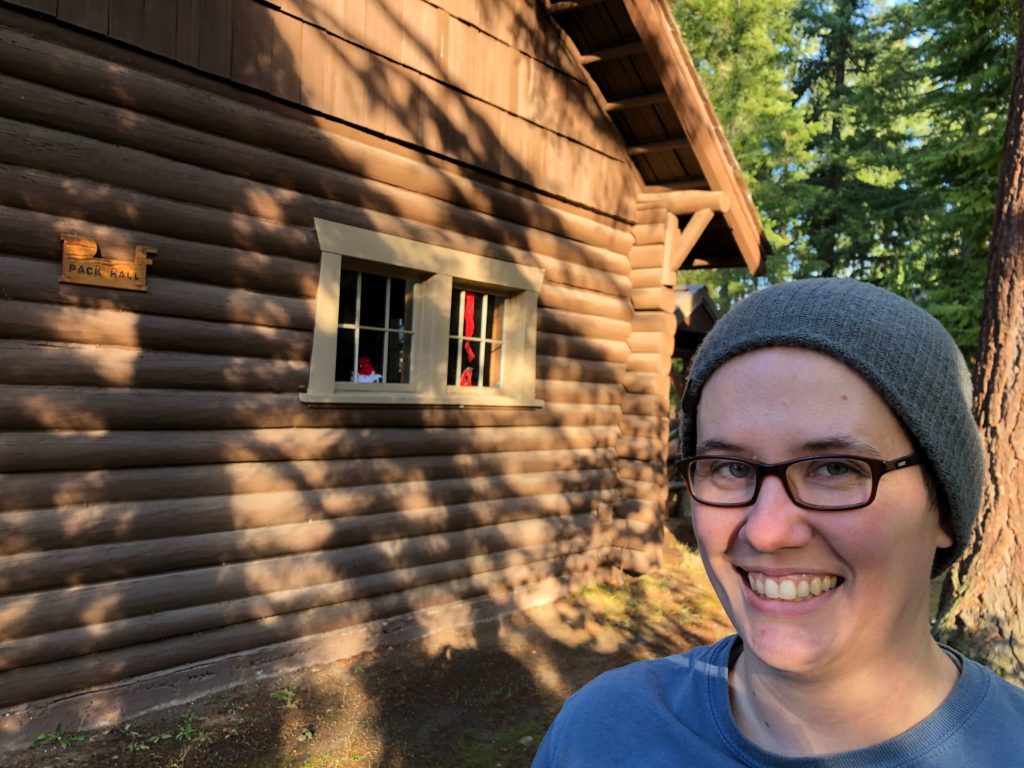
(357, 399)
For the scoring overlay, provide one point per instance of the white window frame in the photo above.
(438, 269)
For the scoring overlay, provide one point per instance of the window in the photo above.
(401, 321)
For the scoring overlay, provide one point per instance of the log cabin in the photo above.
(327, 324)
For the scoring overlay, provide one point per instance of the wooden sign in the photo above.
(81, 264)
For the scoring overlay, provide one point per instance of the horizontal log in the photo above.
(641, 383)
(649, 362)
(650, 213)
(642, 449)
(322, 141)
(647, 235)
(651, 514)
(644, 426)
(641, 472)
(655, 322)
(661, 299)
(31, 683)
(32, 451)
(644, 405)
(202, 616)
(641, 491)
(688, 201)
(575, 347)
(579, 392)
(36, 234)
(110, 327)
(644, 558)
(570, 322)
(56, 528)
(49, 363)
(30, 279)
(646, 277)
(651, 255)
(583, 371)
(43, 492)
(588, 302)
(651, 341)
(317, 177)
(97, 562)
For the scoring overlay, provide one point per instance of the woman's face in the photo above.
(775, 404)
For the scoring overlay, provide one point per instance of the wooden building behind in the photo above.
(182, 497)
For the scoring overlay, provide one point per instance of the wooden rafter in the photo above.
(611, 54)
(686, 201)
(666, 145)
(567, 6)
(632, 102)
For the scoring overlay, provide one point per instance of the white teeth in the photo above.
(787, 590)
(794, 588)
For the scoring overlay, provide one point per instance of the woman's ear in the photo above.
(944, 537)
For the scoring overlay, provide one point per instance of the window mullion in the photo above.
(387, 332)
(484, 306)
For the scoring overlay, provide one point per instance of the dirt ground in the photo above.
(475, 698)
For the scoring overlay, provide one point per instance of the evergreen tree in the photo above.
(964, 54)
(870, 135)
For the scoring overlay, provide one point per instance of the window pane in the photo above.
(344, 366)
(454, 361)
(453, 325)
(370, 365)
(347, 306)
(491, 370)
(495, 318)
(372, 300)
(398, 358)
(471, 314)
(399, 302)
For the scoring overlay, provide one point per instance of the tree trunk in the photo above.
(982, 607)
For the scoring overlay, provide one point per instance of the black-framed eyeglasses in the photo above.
(826, 482)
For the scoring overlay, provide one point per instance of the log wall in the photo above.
(167, 499)
(642, 445)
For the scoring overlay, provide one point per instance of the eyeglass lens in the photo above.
(825, 482)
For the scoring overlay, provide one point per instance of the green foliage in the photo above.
(870, 133)
(58, 736)
(287, 697)
(142, 742)
(187, 730)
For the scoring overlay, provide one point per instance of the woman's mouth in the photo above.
(792, 587)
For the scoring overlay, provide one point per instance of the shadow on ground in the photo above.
(468, 698)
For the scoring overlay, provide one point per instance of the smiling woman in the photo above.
(835, 468)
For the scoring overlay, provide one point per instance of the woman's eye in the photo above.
(835, 469)
(734, 469)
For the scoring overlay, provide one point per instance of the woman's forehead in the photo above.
(796, 397)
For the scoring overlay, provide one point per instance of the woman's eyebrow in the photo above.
(841, 442)
(717, 445)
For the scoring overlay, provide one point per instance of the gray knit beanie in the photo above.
(901, 350)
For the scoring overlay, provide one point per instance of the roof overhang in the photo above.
(642, 76)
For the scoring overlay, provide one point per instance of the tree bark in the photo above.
(982, 608)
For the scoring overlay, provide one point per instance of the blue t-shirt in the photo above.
(675, 712)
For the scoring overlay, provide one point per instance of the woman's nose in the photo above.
(774, 521)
